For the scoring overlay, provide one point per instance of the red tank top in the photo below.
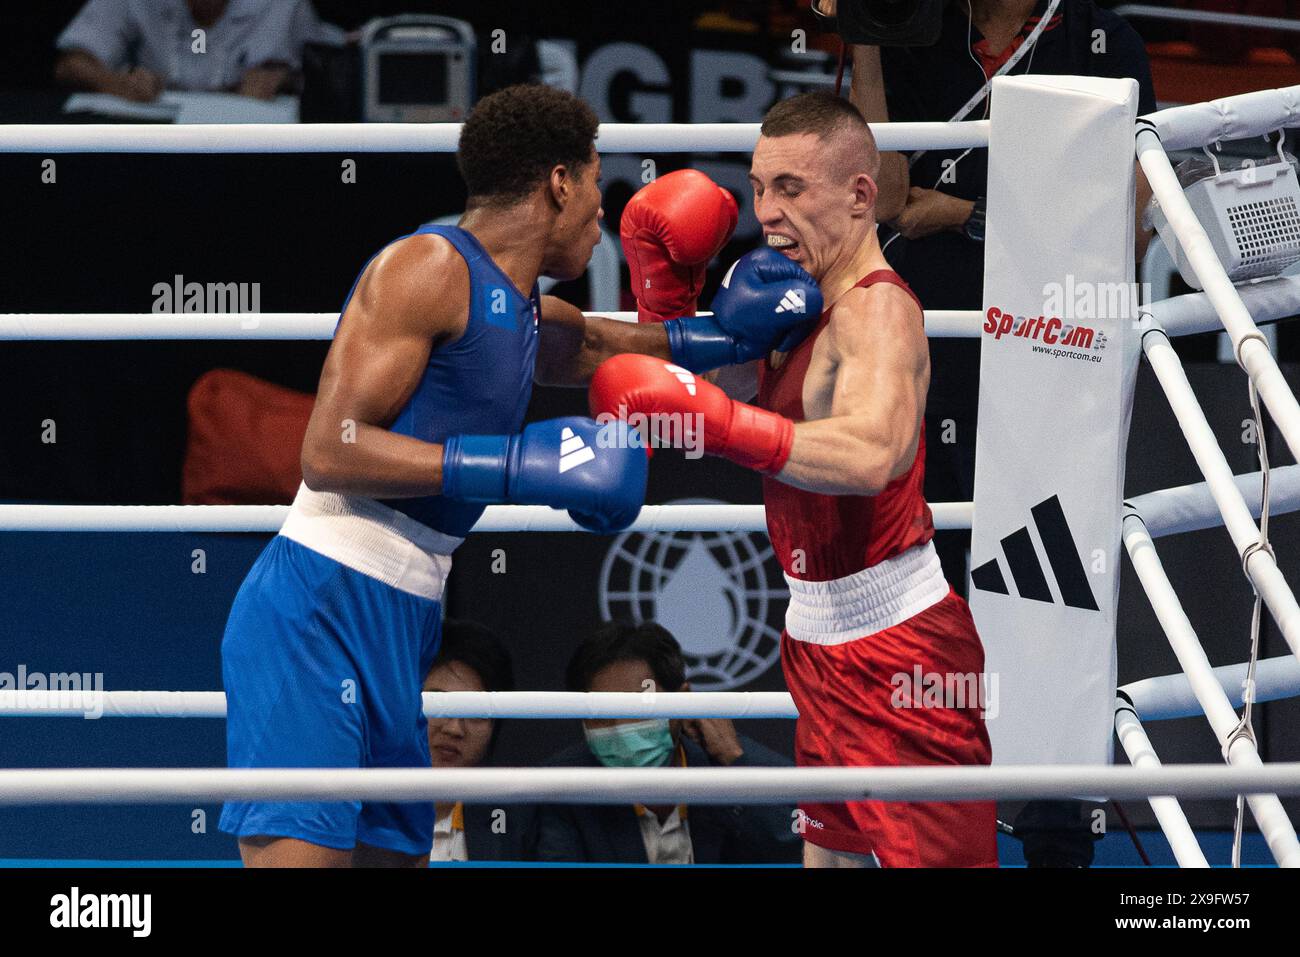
(838, 535)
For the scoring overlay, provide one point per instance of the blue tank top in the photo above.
(479, 384)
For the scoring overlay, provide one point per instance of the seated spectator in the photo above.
(635, 658)
(137, 48)
(471, 658)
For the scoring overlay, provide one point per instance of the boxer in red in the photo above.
(838, 433)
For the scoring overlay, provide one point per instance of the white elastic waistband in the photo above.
(372, 539)
(857, 605)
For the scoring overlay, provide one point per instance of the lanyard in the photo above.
(1016, 56)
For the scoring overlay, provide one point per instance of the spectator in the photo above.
(471, 658)
(137, 48)
(637, 658)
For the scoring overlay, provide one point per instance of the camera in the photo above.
(890, 23)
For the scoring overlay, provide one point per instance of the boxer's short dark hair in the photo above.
(617, 641)
(826, 116)
(514, 138)
(820, 112)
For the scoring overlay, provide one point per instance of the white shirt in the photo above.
(448, 841)
(158, 35)
(669, 842)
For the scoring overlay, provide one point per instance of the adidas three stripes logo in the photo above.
(573, 451)
(792, 301)
(1026, 571)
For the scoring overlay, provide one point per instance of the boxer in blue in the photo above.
(418, 424)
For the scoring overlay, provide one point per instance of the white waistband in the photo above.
(844, 609)
(372, 539)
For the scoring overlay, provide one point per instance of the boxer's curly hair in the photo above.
(514, 138)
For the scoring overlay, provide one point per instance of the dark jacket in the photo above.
(720, 834)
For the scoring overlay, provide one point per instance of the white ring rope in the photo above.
(1229, 118)
(1241, 751)
(1189, 508)
(1171, 696)
(1169, 813)
(1155, 699)
(1267, 300)
(628, 785)
(258, 326)
(1251, 349)
(496, 518)
(437, 704)
(1166, 511)
(1259, 564)
(430, 137)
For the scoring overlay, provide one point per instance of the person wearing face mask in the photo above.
(472, 658)
(635, 658)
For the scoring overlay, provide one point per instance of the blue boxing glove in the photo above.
(597, 472)
(766, 302)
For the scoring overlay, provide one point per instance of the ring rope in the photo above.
(1154, 699)
(1237, 518)
(496, 518)
(437, 704)
(1252, 352)
(1169, 813)
(429, 137)
(256, 326)
(644, 785)
(1166, 511)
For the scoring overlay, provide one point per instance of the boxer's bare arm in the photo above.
(413, 296)
(572, 344)
(882, 371)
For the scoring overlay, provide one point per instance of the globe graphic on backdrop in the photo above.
(721, 595)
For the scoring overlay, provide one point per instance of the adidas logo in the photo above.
(792, 301)
(684, 376)
(1027, 572)
(573, 451)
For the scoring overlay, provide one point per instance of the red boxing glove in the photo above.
(634, 386)
(670, 229)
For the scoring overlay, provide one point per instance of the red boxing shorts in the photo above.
(901, 696)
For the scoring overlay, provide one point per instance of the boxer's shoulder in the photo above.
(866, 316)
(420, 281)
(870, 303)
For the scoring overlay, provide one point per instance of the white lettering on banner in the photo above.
(710, 71)
(613, 62)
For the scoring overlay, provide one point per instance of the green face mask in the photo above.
(637, 744)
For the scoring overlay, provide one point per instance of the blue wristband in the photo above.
(474, 467)
(698, 343)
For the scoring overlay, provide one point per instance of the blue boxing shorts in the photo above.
(325, 651)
